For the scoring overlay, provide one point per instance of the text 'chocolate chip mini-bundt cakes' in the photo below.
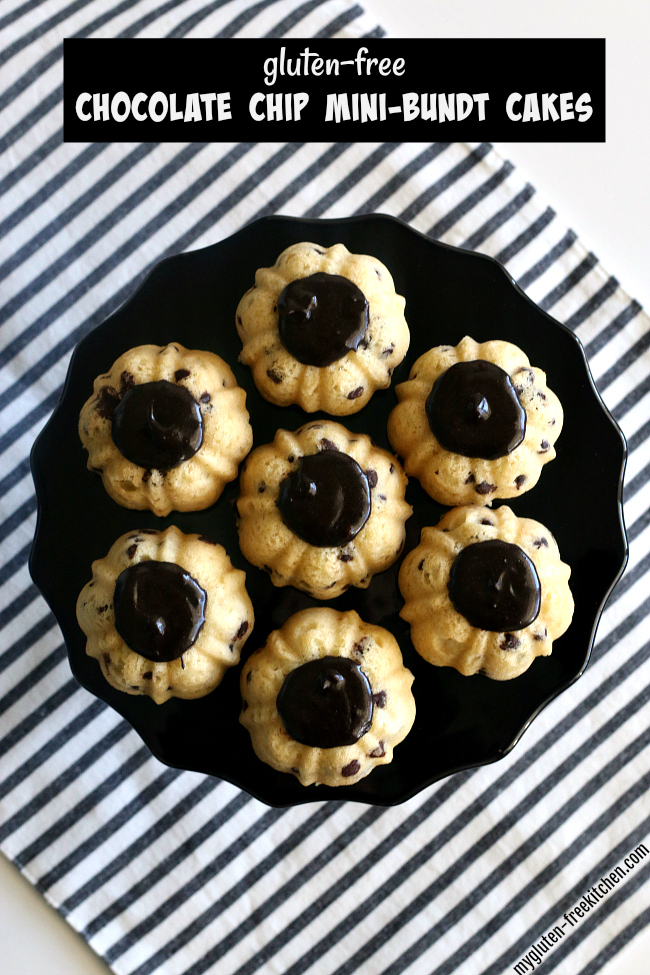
(322, 328)
(166, 428)
(322, 509)
(485, 592)
(327, 697)
(475, 422)
(165, 614)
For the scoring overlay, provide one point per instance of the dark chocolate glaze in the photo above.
(495, 586)
(321, 318)
(326, 703)
(326, 499)
(473, 410)
(157, 425)
(159, 609)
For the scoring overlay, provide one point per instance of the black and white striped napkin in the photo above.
(173, 872)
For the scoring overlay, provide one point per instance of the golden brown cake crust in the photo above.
(227, 435)
(441, 634)
(346, 385)
(451, 478)
(323, 572)
(306, 636)
(228, 623)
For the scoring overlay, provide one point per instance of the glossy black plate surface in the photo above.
(191, 298)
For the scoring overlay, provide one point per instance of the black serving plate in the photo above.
(191, 298)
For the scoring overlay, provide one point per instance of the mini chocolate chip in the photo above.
(520, 480)
(540, 636)
(181, 374)
(485, 488)
(242, 629)
(378, 752)
(205, 397)
(371, 477)
(470, 479)
(540, 541)
(107, 400)
(544, 447)
(486, 521)
(345, 557)
(391, 469)
(421, 565)
(290, 459)
(326, 444)
(147, 675)
(102, 609)
(541, 395)
(239, 321)
(361, 645)
(390, 371)
(134, 687)
(274, 376)
(382, 497)
(510, 642)
(106, 657)
(126, 381)
(146, 476)
(379, 699)
(249, 676)
(296, 771)
(131, 550)
(356, 393)
(389, 350)
(244, 706)
(350, 769)
(363, 344)
(261, 487)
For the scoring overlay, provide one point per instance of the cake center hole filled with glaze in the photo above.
(495, 586)
(326, 703)
(473, 410)
(159, 609)
(321, 318)
(325, 500)
(157, 425)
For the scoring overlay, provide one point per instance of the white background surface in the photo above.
(599, 190)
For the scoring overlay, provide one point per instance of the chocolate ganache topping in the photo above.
(495, 586)
(157, 425)
(473, 410)
(321, 318)
(326, 499)
(159, 609)
(326, 703)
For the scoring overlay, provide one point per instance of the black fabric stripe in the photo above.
(334, 152)
(17, 605)
(555, 913)
(622, 630)
(15, 564)
(167, 907)
(592, 304)
(19, 12)
(445, 223)
(633, 486)
(526, 236)
(542, 747)
(635, 529)
(69, 213)
(15, 519)
(625, 361)
(569, 282)
(244, 18)
(549, 258)
(612, 948)
(500, 217)
(240, 888)
(339, 22)
(631, 399)
(107, 829)
(27, 422)
(28, 121)
(293, 18)
(14, 477)
(58, 784)
(37, 673)
(610, 331)
(61, 738)
(400, 178)
(125, 856)
(90, 800)
(460, 169)
(315, 909)
(186, 25)
(149, 18)
(25, 166)
(52, 185)
(635, 440)
(170, 862)
(31, 721)
(33, 35)
(351, 179)
(453, 872)
(27, 640)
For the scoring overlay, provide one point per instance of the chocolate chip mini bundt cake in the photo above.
(166, 428)
(322, 328)
(327, 697)
(485, 592)
(475, 422)
(322, 509)
(165, 614)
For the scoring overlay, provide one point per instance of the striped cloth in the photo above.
(164, 871)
